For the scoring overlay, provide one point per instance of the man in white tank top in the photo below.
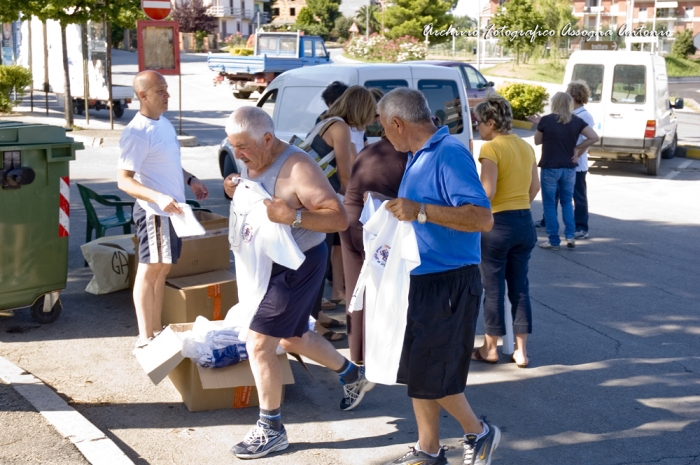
(302, 198)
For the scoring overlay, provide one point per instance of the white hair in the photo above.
(406, 104)
(253, 121)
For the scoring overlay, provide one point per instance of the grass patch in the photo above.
(544, 71)
(680, 67)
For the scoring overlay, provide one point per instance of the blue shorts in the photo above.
(285, 308)
(156, 236)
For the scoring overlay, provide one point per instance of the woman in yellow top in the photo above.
(509, 177)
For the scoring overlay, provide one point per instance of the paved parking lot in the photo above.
(614, 376)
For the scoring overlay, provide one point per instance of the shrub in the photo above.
(12, 77)
(683, 46)
(380, 48)
(241, 51)
(235, 40)
(525, 99)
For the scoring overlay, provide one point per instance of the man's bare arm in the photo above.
(467, 218)
(324, 212)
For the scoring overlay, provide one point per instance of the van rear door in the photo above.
(630, 95)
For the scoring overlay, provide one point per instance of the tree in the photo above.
(374, 13)
(319, 16)
(516, 16)
(683, 46)
(409, 17)
(192, 16)
(342, 27)
(555, 15)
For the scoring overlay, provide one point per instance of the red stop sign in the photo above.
(156, 9)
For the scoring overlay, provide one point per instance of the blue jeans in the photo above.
(561, 180)
(580, 202)
(505, 257)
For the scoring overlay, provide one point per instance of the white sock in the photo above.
(486, 431)
(417, 447)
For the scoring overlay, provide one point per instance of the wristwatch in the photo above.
(422, 217)
(297, 221)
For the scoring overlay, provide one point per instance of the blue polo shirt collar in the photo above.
(440, 134)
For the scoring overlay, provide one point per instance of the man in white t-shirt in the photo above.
(149, 169)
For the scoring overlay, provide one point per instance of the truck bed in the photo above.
(252, 64)
(118, 93)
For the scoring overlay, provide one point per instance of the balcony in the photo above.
(594, 10)
(228, 12)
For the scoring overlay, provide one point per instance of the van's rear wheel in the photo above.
(670, 151)
(242, 95)
(653, 165)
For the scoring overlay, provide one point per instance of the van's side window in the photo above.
(593, 76)
(386, 85)
(299, 108)
(629, 84)
(267, 102)
(443, 99)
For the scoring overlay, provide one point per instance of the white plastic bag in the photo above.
(108, 258)
(211, 346)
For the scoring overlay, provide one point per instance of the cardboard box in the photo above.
(209, 294)
(201, 254)
(202, 388)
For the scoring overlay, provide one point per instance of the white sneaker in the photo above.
(581, 235)
(571, 243)
(141, 343)
(547, 245)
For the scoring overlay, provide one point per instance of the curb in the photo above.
(97, 448)
(523, 125)
(691, 151)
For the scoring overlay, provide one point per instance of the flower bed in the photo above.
(379, 48)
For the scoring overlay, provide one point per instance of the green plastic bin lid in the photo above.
(17, 133)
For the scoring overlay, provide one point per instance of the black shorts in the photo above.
(442, 313)
(285, 308)
(156, 236)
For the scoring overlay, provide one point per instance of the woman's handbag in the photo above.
(305, 145)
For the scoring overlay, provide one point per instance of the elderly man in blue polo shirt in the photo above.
(443, 197)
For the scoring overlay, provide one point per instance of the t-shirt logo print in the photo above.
(382, 255)
(247, 233)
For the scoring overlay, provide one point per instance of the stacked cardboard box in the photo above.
(201, 283)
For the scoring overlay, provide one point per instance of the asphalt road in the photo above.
(614, 376)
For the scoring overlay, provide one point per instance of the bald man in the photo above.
(150, 170)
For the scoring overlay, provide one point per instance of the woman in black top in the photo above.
(558, 133)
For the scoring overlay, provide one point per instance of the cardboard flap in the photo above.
(239, 375)
(201, 280)
(161, 356)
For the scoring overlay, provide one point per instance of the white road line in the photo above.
(97, 448)
(676, 171)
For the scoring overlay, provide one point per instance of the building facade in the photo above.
(675, 16)
(286, 11)
(236, 16)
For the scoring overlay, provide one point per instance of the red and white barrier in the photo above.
(64, 207)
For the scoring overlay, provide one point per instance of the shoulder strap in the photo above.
(320, 128)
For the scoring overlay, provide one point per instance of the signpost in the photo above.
(157, 10)
(159, 43)
(601, 45)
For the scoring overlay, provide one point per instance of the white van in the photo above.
(629, 104)
(293, 99)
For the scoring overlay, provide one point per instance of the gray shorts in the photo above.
(156, 236)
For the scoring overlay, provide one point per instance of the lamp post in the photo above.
(367, 20)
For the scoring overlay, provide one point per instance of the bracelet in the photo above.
(189, 180)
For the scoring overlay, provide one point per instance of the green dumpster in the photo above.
(34, 217)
